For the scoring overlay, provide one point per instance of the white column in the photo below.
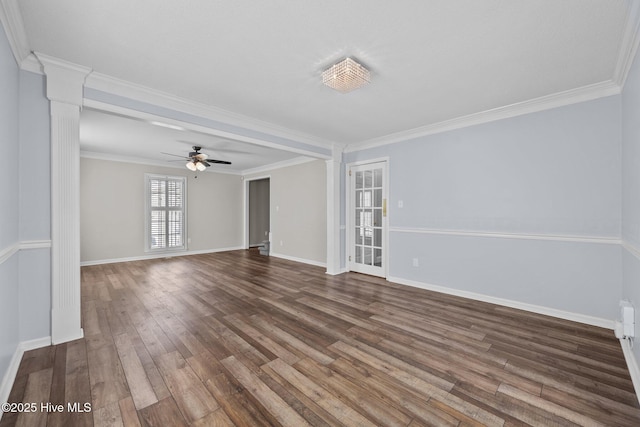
(65, 83)
(333, 211)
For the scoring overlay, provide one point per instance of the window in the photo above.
(165, 213)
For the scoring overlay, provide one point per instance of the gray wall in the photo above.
(112, 210)
(35, 208)
(299, 211)
(25, 276)
(259, 209)
(112, 198)
(631, 192)
(551, 173)
(10, 207)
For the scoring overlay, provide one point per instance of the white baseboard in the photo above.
(10, 375)
(302, 260)
(561, 314)
(340, 271)
(158, 255)
(37, 343)
(632, 365)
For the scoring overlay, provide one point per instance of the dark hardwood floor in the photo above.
(241, 339)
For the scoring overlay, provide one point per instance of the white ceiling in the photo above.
(431, 61)
(112, 136)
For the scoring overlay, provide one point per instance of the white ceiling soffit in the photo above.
(434, 65)
(109, 136)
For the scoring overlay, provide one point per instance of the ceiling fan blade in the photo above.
(204, 162)
(222, 162)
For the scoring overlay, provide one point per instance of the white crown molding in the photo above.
(65, 66)
(279, 165)
(560, 99)
(14, 27)
(31, 64)
(550, 237)
(108, 84)
(547, 311)
(629, 44)
(626, 55)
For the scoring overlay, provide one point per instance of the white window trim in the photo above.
(147, 214)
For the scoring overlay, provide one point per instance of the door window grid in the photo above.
(368, 217)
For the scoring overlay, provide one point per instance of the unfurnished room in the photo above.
(337, 213)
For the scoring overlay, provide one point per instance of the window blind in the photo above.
(166, 213)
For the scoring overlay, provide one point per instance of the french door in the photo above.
(368, 219)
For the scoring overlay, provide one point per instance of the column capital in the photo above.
(336, 152)
(65, 80)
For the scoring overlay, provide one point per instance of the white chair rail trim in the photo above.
(11, 250)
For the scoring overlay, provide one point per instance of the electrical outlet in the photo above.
(400, 204)
(416, 262)
(280, 242)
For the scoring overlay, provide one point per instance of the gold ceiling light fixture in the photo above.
(346, 75)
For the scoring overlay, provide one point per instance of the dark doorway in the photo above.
(259, 215)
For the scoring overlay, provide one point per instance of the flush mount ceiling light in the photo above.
(346, 76)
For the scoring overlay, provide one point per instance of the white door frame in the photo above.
(349, 222)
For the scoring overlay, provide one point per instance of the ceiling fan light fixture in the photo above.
(346, 75)
(198, 161)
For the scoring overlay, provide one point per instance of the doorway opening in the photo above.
(258, 212)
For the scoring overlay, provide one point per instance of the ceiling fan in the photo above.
(197, 160)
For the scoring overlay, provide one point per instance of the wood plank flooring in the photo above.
(236, 338)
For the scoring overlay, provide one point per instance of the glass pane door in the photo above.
(368, 218)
